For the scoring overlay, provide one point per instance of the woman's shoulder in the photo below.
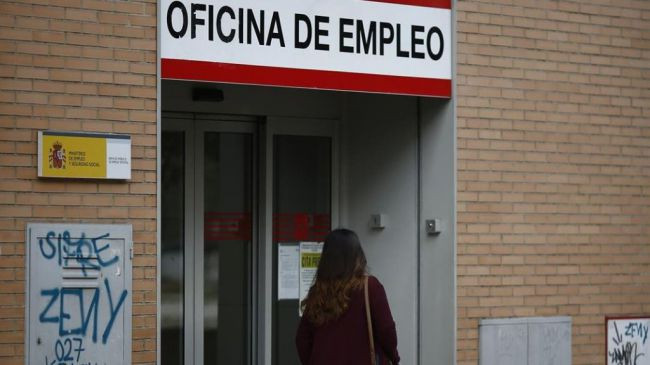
(374, 282)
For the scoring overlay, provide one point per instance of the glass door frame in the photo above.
(185, 124)
(194, 125)
(296, 127)
(202, 125)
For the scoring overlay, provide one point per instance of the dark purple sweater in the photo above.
(344, 341)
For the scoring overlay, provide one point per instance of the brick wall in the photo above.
(553, 165)
(80, 65)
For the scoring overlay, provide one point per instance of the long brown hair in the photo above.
(341, 269)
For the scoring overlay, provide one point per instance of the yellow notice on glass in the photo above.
(310, 253)
(84, 155)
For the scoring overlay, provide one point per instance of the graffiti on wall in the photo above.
(79, 311)
(85, 251)
(627, 341)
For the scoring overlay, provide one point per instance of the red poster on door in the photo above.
(296, 227)
(227, 226)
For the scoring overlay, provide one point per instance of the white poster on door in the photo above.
(310, 253)
(288, 271)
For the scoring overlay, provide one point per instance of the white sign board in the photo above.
(628, 341)
(78, 293)
(288, 271)
(384, 46)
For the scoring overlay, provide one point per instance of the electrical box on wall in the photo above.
(378, 221)
(78, 293)
(525, 340)
(433, 226)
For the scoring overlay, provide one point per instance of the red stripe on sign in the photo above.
(294, 77)
(442, 4)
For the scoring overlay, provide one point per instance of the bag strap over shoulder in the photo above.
(369, 321)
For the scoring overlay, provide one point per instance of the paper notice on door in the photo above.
(288, 271)
(310, 253)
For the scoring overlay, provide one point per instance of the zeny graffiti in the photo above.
(83, 317)
(626, 352)
(637, 329)
(81, 314)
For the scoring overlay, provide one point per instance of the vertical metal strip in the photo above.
(455, 167)
(268, 245)
(254, 252)
(418, 227)
(28, 283)
(335, 189)
(198, 249)
(188, 252)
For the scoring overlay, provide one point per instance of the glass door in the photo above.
(208, 241)
(302, 206)
(224, 285)
(301, 213)
(224, 218)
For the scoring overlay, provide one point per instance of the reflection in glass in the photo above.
(172, 235)
(227, 248)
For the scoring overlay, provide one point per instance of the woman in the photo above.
(333, 329)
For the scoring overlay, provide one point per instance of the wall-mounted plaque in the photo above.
(84, 155)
